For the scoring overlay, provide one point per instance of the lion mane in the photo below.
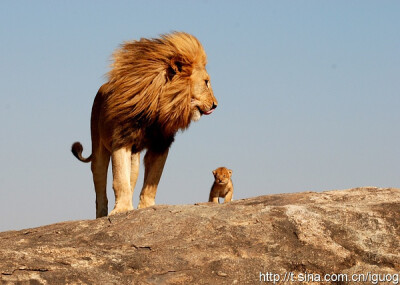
(143, 89)
(155, 88)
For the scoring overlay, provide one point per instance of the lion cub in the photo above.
(222, 186)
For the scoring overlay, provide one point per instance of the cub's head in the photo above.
(222, 175)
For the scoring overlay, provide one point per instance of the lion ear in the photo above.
(174, 67)
(176, 64)
(213, 172)
(230, 171)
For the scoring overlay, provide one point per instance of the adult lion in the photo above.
(155, 88)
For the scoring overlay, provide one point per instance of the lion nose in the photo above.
(214, 106)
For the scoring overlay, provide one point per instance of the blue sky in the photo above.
(308, 91)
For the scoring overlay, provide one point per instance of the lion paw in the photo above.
(144, 203)
(118, 210)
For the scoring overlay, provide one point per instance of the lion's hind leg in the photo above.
(101, 159)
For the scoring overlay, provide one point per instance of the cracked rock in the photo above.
(352, 231)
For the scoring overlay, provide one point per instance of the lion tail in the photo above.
(77, 149)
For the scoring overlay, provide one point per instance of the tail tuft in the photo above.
(77, 149)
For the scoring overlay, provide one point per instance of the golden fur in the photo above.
(155, 88)
(222, 186)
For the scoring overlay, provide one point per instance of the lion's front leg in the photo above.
(214, 199)
(135, 163)
(228, 196)
(121, 168)
(154, 164)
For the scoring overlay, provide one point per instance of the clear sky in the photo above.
(308, 91)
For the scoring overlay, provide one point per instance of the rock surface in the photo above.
(346, 232)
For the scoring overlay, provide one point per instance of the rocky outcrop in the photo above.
(290, 238)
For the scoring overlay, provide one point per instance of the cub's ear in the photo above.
(214, 172)
(230, 172)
